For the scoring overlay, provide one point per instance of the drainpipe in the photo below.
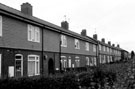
(97, 53)
(42, 53)
(60, 53)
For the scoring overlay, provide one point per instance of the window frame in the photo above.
(94, 48)
(21, 62)
(77, 42)
(63, 40)
(1, 26)
(32, 33)
(35, 61)
(87, 46)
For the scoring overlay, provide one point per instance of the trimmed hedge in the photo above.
(95, 79)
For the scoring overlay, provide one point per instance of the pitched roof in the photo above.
(31, 19)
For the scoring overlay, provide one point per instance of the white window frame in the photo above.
(33, 33)
(86, 46)
(69, 62)
(94, 48)
(104, 48)
(64, 62)
(77, 44)
(99, 47)
(1, 26)
(21, 62)
(94, 61)
(35, 56)
(63, 41)
(77, 61)
(87, 61)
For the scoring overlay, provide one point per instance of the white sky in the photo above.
(114, 20)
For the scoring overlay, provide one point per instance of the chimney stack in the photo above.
(109, 42)
(118, 45)
(113, 45)
(84, 32)
(65, 25)
(26, 8)
(103, 40)
(95, 36)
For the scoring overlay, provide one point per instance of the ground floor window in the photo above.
(87, 61)
(63, 62)
(77, 61)
(33, 65)
(69, 62)
(94, 61)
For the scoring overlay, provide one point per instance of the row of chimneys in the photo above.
(26, 8)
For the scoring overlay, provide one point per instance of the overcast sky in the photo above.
(114, 20)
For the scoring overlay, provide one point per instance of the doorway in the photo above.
(18, 65)
(51, 66)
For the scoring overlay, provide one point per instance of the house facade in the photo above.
(30, 46)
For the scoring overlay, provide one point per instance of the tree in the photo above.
(132, 54)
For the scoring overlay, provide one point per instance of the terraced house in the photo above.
(30, 46)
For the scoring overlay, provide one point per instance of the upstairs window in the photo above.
(94, 48)
(99, 47)
(87, 46)
(33, 33)
(104, 48)
(0, 25)
(63, 41)
(77, 44)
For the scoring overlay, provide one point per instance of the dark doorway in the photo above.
(50, 66)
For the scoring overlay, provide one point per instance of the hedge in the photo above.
(93, 79)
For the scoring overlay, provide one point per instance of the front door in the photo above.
(18, 65)
(51, 66)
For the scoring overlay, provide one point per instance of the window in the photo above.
(77, 61)
(87, 46)
(33, 65)
(33, 33)
(63, 62)
(100, 57)
(94, 61)
(0, 65)
(107, 49)
(99, 47)
(104, 59)
(87, 61)
(94, 48)
(18, 65)
(0, 25)
(104, 48)
(77, 44)
(63, 41)
(69, 62)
